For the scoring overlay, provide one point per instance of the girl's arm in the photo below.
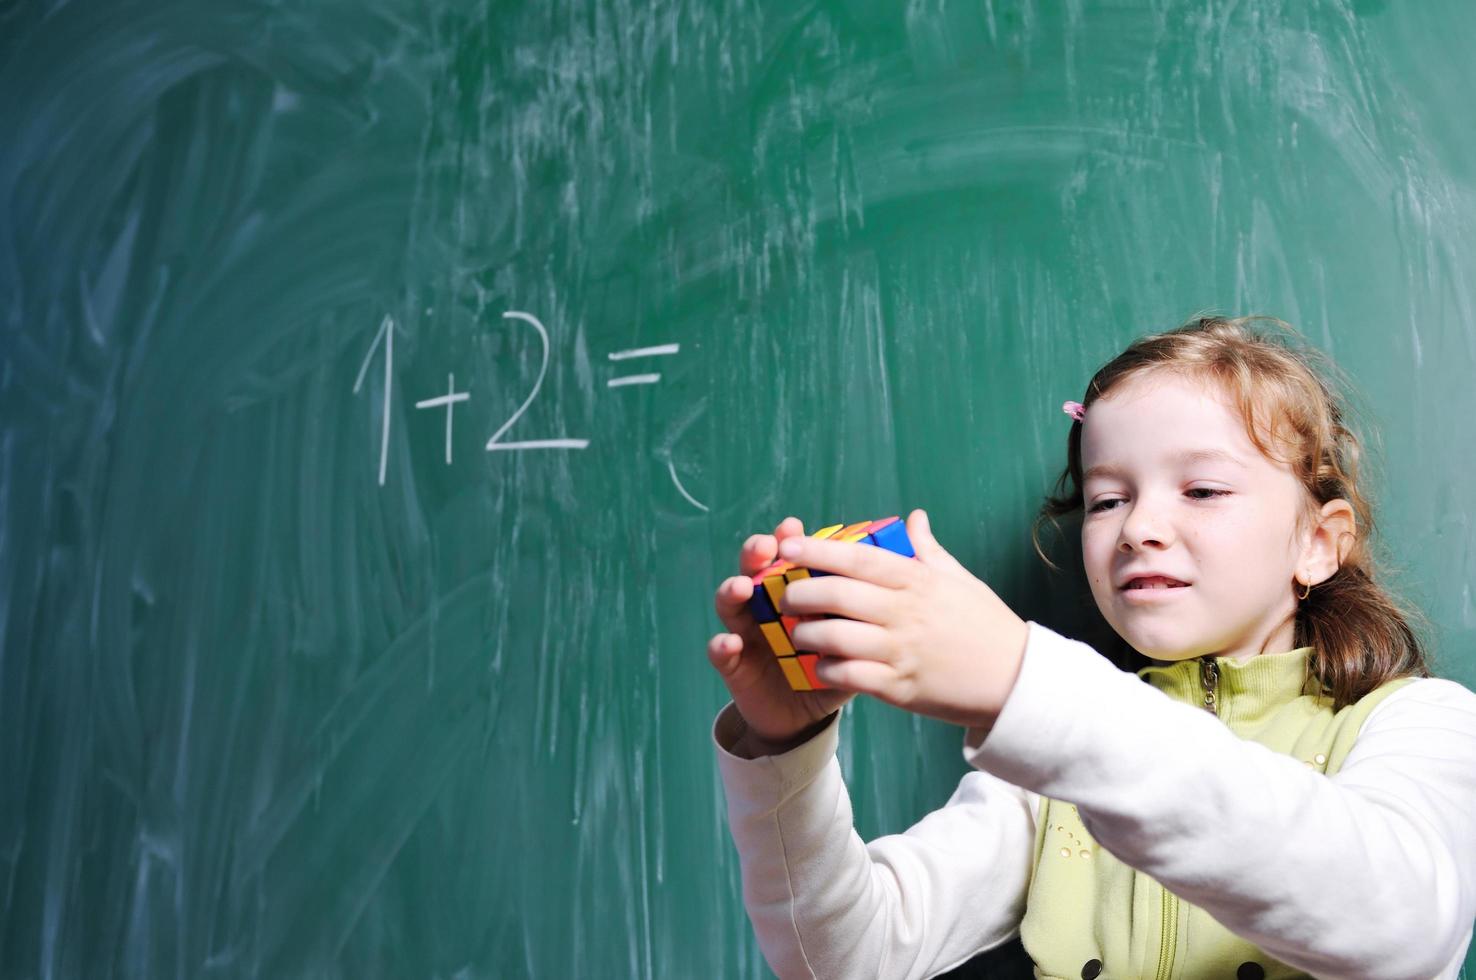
(1370, 872)
(825, 904)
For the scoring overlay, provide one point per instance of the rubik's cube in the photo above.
(768, 586)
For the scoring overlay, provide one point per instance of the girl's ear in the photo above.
(1332, 538)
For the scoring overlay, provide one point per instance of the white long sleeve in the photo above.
(1368, 873)
(825, 904)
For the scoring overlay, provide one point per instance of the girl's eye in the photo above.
(1209, 494)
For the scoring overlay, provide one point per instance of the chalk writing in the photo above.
(640, 379)
(449, 399)
(386, 336)
(543, 368)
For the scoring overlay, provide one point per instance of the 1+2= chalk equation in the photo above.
(452, 397)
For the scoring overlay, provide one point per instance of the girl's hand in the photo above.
(778, 717)
(924, 634)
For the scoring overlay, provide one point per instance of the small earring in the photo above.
(1306, 591)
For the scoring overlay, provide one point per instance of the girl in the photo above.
(1289, 793)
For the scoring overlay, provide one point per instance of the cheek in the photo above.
(1230, 538)
(1096, 551)
(1100, 530)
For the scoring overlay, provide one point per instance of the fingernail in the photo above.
(789, 548)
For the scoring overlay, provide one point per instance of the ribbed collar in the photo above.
(1246, 692)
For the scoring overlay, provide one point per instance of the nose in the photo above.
(1146, 526)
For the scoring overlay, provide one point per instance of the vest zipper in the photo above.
(1168, 935)
(1168, 926)
(1209, 679)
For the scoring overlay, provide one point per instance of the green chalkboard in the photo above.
(385, 387)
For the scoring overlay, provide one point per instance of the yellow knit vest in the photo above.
(1089, 915)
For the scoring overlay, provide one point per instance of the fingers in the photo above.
(834, 637)
(842, 596)
(758, 553)
(861, 676)
(852, 559)
(790, 527)
(731, 602)
(761, 550)
(724, 651)
(929, 551)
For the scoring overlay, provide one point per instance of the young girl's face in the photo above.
(1173, 487)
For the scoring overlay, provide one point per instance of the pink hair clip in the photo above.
(1074, 409)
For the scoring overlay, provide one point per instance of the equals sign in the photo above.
(640, 379)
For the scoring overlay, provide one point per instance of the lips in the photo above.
(1138, 582)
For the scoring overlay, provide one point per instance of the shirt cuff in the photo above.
(771, 778)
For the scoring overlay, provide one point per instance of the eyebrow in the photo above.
(1187, 456)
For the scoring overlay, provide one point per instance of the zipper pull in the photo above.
(1209, 679)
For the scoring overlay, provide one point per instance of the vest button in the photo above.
(1091, 969)
(1250, 971)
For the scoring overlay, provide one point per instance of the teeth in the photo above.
(1154, 584)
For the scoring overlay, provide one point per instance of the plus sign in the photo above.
(449, 400)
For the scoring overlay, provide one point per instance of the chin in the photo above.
(1167, 656)
(1159, 648)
